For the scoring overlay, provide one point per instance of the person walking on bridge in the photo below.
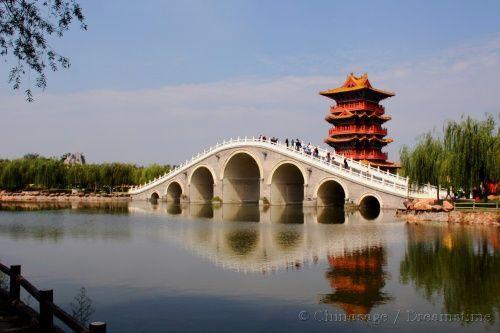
(297, 144)
(346, 166)
(286, 142)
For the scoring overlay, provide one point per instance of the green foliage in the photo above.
(466, 155)
(474, 151)
(423, 163)
(455, 264)
(33, 171)
(24, 29)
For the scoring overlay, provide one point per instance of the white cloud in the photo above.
(171, 123)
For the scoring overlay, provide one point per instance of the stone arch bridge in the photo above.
(251, 170)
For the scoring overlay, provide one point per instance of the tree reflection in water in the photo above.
(357, 279)
(457, 262)
(243, 241)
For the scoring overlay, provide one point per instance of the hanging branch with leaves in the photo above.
(25, 26)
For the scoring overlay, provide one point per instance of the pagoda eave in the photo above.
(345, 93)
(358, 138)
(381, 164)
(331, 118)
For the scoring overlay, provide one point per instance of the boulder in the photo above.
(437, 208)
(408, 204)
(447, 206)
(422, 206)
(430, 201)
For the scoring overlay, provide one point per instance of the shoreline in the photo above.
(28, 196)
(460, 217)
(491, 218)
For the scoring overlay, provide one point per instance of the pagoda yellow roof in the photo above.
(353, 83)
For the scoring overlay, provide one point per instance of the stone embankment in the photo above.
(41, 196)
(428, 210)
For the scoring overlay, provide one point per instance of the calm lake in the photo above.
(161, 268)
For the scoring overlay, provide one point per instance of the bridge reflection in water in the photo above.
(263, 239)
(256, 239)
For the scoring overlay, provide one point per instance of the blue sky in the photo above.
(157, 81)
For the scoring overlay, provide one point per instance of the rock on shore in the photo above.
(425, 210)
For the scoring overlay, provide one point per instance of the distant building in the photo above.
(74, 158)
(357, 120)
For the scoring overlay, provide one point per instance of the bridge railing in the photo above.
(355, 169)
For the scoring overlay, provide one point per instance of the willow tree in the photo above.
(426, 163)
(474, 152)
(466, 157)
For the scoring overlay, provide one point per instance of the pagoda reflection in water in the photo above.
(357, 279)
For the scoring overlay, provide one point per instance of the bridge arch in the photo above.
(174, 192)
(154, 197)
(201, 184)
(287, 181)
(370, 205)
(331, 191)
(241, 175)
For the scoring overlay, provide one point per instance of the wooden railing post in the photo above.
(46, 314)
(15, 287)
(97, 327)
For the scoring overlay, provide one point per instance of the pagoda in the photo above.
(357, 120)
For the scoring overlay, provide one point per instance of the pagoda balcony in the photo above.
(360, 105)
(357, 129)
(363, 154)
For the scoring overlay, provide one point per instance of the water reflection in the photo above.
(251, 238)
(259, 239)
(458, 262)
(174, 208)
(370, 212)
(240, 213)
(167, 243)
(201, 211)
(242, 241)
(331, 215)
(287, 214)
(84, 221)
(357, 279)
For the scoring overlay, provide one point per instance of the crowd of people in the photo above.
(300, 146)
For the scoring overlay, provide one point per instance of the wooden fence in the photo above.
(472, 205)
(48, 310)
